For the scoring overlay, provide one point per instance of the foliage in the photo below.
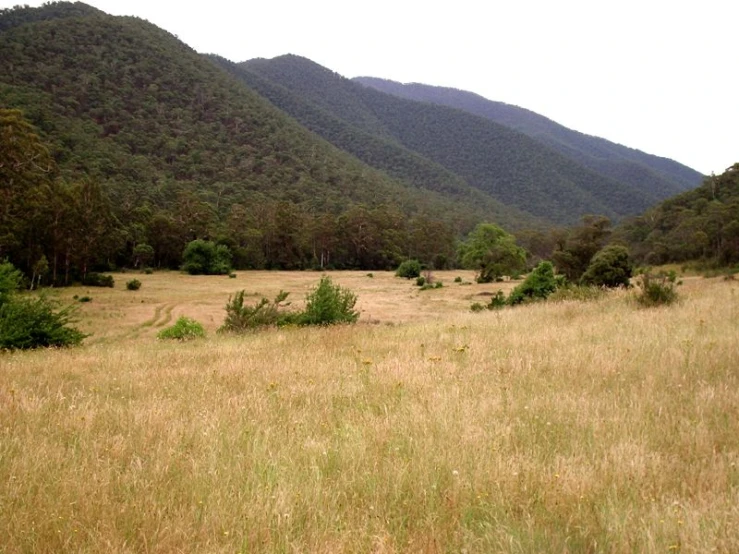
(657, 289)
(329, 304)
(184, 328)
(32, 323)
(420, 281)
(98, 280)
(577, 246)
(538, 285)
(647, 178)
(702, 224)
(240, 317)
(409, 269)
(610, 268)
(204, 257)
(133, 284)
(492, 252)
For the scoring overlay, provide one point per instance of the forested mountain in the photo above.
(506, 164)
(359, 133)
(155, 145)
(701, 224)
(655, 176)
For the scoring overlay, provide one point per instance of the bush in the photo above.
(232, 275)
(610, 267)
(497, 301)
(204, 257)
(98, 280)
(183, 329)
(657, 289)
(133, 284)
(240, 318)
(84, 299)
(457, 279)
(420, 281)
(148, 270)
(409, 269)
(31, 323)
(540, 283)
(328, 304)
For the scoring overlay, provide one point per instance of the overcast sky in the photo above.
(653, 75)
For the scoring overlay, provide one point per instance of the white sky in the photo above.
(654, 75)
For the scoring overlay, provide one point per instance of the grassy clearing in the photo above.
(560, 427)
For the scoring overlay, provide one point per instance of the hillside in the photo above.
(509, 166)
(181, 150)
(701, 224)
(660, 177)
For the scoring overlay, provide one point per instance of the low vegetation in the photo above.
(529, 430)
(184, 329)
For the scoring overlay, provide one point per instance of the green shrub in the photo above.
(420, 281)
(328, 304)
(84, 299)
(497, 301)
(204, 257)
(409, 269)
(457, 279)
(183, 329)
(657, 289)
(32, 323)
(539, 284)
(148, 270)
(240, 318)
(98, 280)
(232, 275)
(371, 275)
(610, 267)
(133, 284)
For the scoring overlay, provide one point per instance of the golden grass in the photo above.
(559, 427)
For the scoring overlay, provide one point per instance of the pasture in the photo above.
(554, 427)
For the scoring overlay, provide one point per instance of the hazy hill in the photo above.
(183, 150)
(700, 224)
(359, 133)
(659, 176)
(506, 164)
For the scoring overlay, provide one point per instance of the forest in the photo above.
(121, 145)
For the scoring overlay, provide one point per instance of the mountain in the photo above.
(659, 176)
(506, 164)
(175, 149)
(700, 224)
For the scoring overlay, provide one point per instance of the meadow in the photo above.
(559, 427)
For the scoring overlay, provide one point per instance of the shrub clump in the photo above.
(184, 328)
(98, 280)
(657, 289)
(133, 284)
(539, 284)
(609, 268)
(240, 317)
(409, 269)
(32, 323)
(204, 257)
(327, 304)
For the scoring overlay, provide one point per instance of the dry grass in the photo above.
(569, 427)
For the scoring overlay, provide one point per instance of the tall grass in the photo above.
(563, 427)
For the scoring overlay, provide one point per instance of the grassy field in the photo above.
(555, 427)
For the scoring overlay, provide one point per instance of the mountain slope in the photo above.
(378, 149)
(660, 176)
(508, 165)
(183, 150)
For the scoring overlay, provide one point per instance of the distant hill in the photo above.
(182, 150)
(508, 165)
(701, 224)
(658, 176)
